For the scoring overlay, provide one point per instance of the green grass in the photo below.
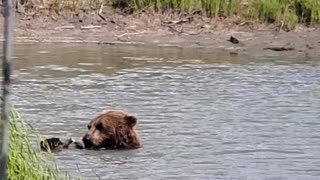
(289, 12)
(220, 7)
(209, 7)
(286, 12)
(308, 10)
(25, 160)
(275, 11)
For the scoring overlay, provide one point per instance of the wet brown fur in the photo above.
(112, 130)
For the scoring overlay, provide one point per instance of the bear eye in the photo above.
(89, 126)
(99, 126)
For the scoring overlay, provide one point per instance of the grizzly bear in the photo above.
(112, 130)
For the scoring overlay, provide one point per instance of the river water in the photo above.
(202, 115)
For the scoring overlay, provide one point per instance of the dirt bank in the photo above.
(177, 30)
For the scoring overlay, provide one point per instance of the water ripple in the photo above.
(199, 119)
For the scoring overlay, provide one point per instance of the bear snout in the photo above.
(86, 141)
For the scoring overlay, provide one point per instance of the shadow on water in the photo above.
(202, 115)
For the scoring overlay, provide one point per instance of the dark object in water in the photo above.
(233, 40)
(280, 48)
(78, 145)
(55, 144)
(233, 53)
(309, 46)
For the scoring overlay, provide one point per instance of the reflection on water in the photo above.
(202, 116)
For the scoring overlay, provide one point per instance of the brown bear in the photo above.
(112, 130)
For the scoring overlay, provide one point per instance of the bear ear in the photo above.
(131, 120)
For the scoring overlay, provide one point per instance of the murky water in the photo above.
(202, 116)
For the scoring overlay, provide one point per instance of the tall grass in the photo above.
(220, 7)
(162, 4)
(286, 12)
(308, 10)
(26, 161)
(210, 7)
(274, 11)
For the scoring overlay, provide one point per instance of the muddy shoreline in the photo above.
(151, 29)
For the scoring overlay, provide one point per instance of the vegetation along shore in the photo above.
(25, 160)
(288, 26)
(284, 13)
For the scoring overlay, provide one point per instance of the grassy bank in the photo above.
(24, 160)
(286, 13)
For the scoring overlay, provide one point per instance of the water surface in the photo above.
(202, 115)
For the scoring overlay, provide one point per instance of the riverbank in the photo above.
(111, 27)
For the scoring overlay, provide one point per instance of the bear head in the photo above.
(112, 130)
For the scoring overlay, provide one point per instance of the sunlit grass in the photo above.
(26, 161)
(308, 10)
(285, 12)
(274, 11)
(288, 12)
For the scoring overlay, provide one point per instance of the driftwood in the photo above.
(171, 24)
(100, 13)
(280, 48)
(184, 20)
(64, 27)
(89, 27)
(129, 34)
